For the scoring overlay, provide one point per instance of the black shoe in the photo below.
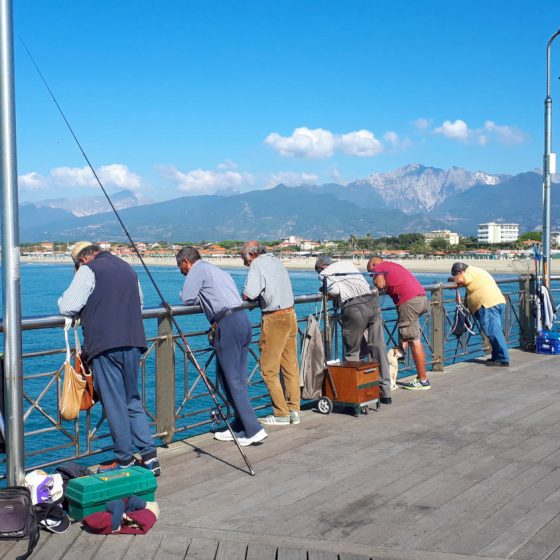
(386, 400)
(495, 363)
(151, 464)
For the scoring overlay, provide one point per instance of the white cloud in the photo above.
(504, 133)
(361, 143)
(292, 179)
(304, 142)
(114, 175)
(227, 164)
(457, 130)
(32, 182)
(205, 181)
(319, 143)
(421, 123)
(394, 140)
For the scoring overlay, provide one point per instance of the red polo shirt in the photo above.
(401, 284)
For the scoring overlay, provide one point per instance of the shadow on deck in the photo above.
(467, 470)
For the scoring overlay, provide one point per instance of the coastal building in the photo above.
(451, 237)
(303, 244)
(555, 238)
(494, 232)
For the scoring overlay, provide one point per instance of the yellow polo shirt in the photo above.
(482, 290)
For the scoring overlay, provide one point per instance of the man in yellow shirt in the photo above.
(487, 304)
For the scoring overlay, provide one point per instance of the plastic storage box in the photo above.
(548, 343)
(88, 494)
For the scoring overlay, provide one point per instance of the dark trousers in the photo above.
(358, 315)
(231, 345)
(115, 376)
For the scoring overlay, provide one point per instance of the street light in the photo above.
(549, 167)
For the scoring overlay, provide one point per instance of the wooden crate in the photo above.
(356, 383)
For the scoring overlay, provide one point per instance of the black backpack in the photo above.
(463, 322)
(18, 519)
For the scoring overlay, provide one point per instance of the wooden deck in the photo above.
(470, 469)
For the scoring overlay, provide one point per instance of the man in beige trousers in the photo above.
(269, 283)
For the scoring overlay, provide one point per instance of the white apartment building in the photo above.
(555, 238)
(494, 232)
(451, 237)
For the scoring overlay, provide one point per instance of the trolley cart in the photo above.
(350, 384)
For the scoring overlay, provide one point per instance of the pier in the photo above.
(468, 470)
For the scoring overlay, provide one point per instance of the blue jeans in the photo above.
(231, 345)
(490, 323)
(115, 376)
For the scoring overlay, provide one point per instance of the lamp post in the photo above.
(549, 167)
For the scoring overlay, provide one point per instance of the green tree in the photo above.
(439, 244)
(531, 236)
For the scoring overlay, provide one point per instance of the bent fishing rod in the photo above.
(164, 302)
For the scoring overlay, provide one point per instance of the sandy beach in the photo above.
(495, 266)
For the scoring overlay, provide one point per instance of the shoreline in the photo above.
(437, 265)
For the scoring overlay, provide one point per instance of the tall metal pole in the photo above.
(13, 364)
(549, 166)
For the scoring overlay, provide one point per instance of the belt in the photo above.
(224, 313)
(356, 298)
(286, 310)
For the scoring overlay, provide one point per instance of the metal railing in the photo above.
(177, 401)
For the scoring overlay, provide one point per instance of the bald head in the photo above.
(251, 250)
(372, 262)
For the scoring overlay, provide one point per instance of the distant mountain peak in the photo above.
(417, 188)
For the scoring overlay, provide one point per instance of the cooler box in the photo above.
(356, 383)
(548, 343)
(88, 494)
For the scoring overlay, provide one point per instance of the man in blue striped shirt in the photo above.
(215, 291)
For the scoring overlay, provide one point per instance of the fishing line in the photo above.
(164, 303)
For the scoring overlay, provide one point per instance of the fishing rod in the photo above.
(164, 303)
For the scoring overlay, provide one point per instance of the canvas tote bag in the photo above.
(89, 398)
(74, 383)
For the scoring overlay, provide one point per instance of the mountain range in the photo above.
(413, 198)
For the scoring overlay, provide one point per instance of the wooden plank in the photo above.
(172, 545)
(321, 555)
(543, 544)
(85, 546)
(261, 552)
(291, 554)
(231, 551)
(113, 547)
(53, 546)
(143, 547)
(202, 549)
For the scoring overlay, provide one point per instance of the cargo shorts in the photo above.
(409, 314)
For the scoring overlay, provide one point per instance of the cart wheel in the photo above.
(325, 405)
(365, 409)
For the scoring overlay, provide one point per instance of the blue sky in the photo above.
(180, 97)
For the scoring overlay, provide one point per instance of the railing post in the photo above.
(438, 328)
(526, 318)
(165, 380)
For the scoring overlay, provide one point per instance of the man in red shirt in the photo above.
(410, 299)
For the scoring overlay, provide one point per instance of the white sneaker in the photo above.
(275, 420)
(259, 436)
(294, 417)
(225, 435)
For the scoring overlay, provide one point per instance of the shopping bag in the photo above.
(73, 385)
(89, 397)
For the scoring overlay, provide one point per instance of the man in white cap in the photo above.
(106, 295)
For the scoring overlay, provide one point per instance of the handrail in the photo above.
(177, 402)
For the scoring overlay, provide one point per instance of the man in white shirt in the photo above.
(360, 311)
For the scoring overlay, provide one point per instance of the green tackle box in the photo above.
(88, 494)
